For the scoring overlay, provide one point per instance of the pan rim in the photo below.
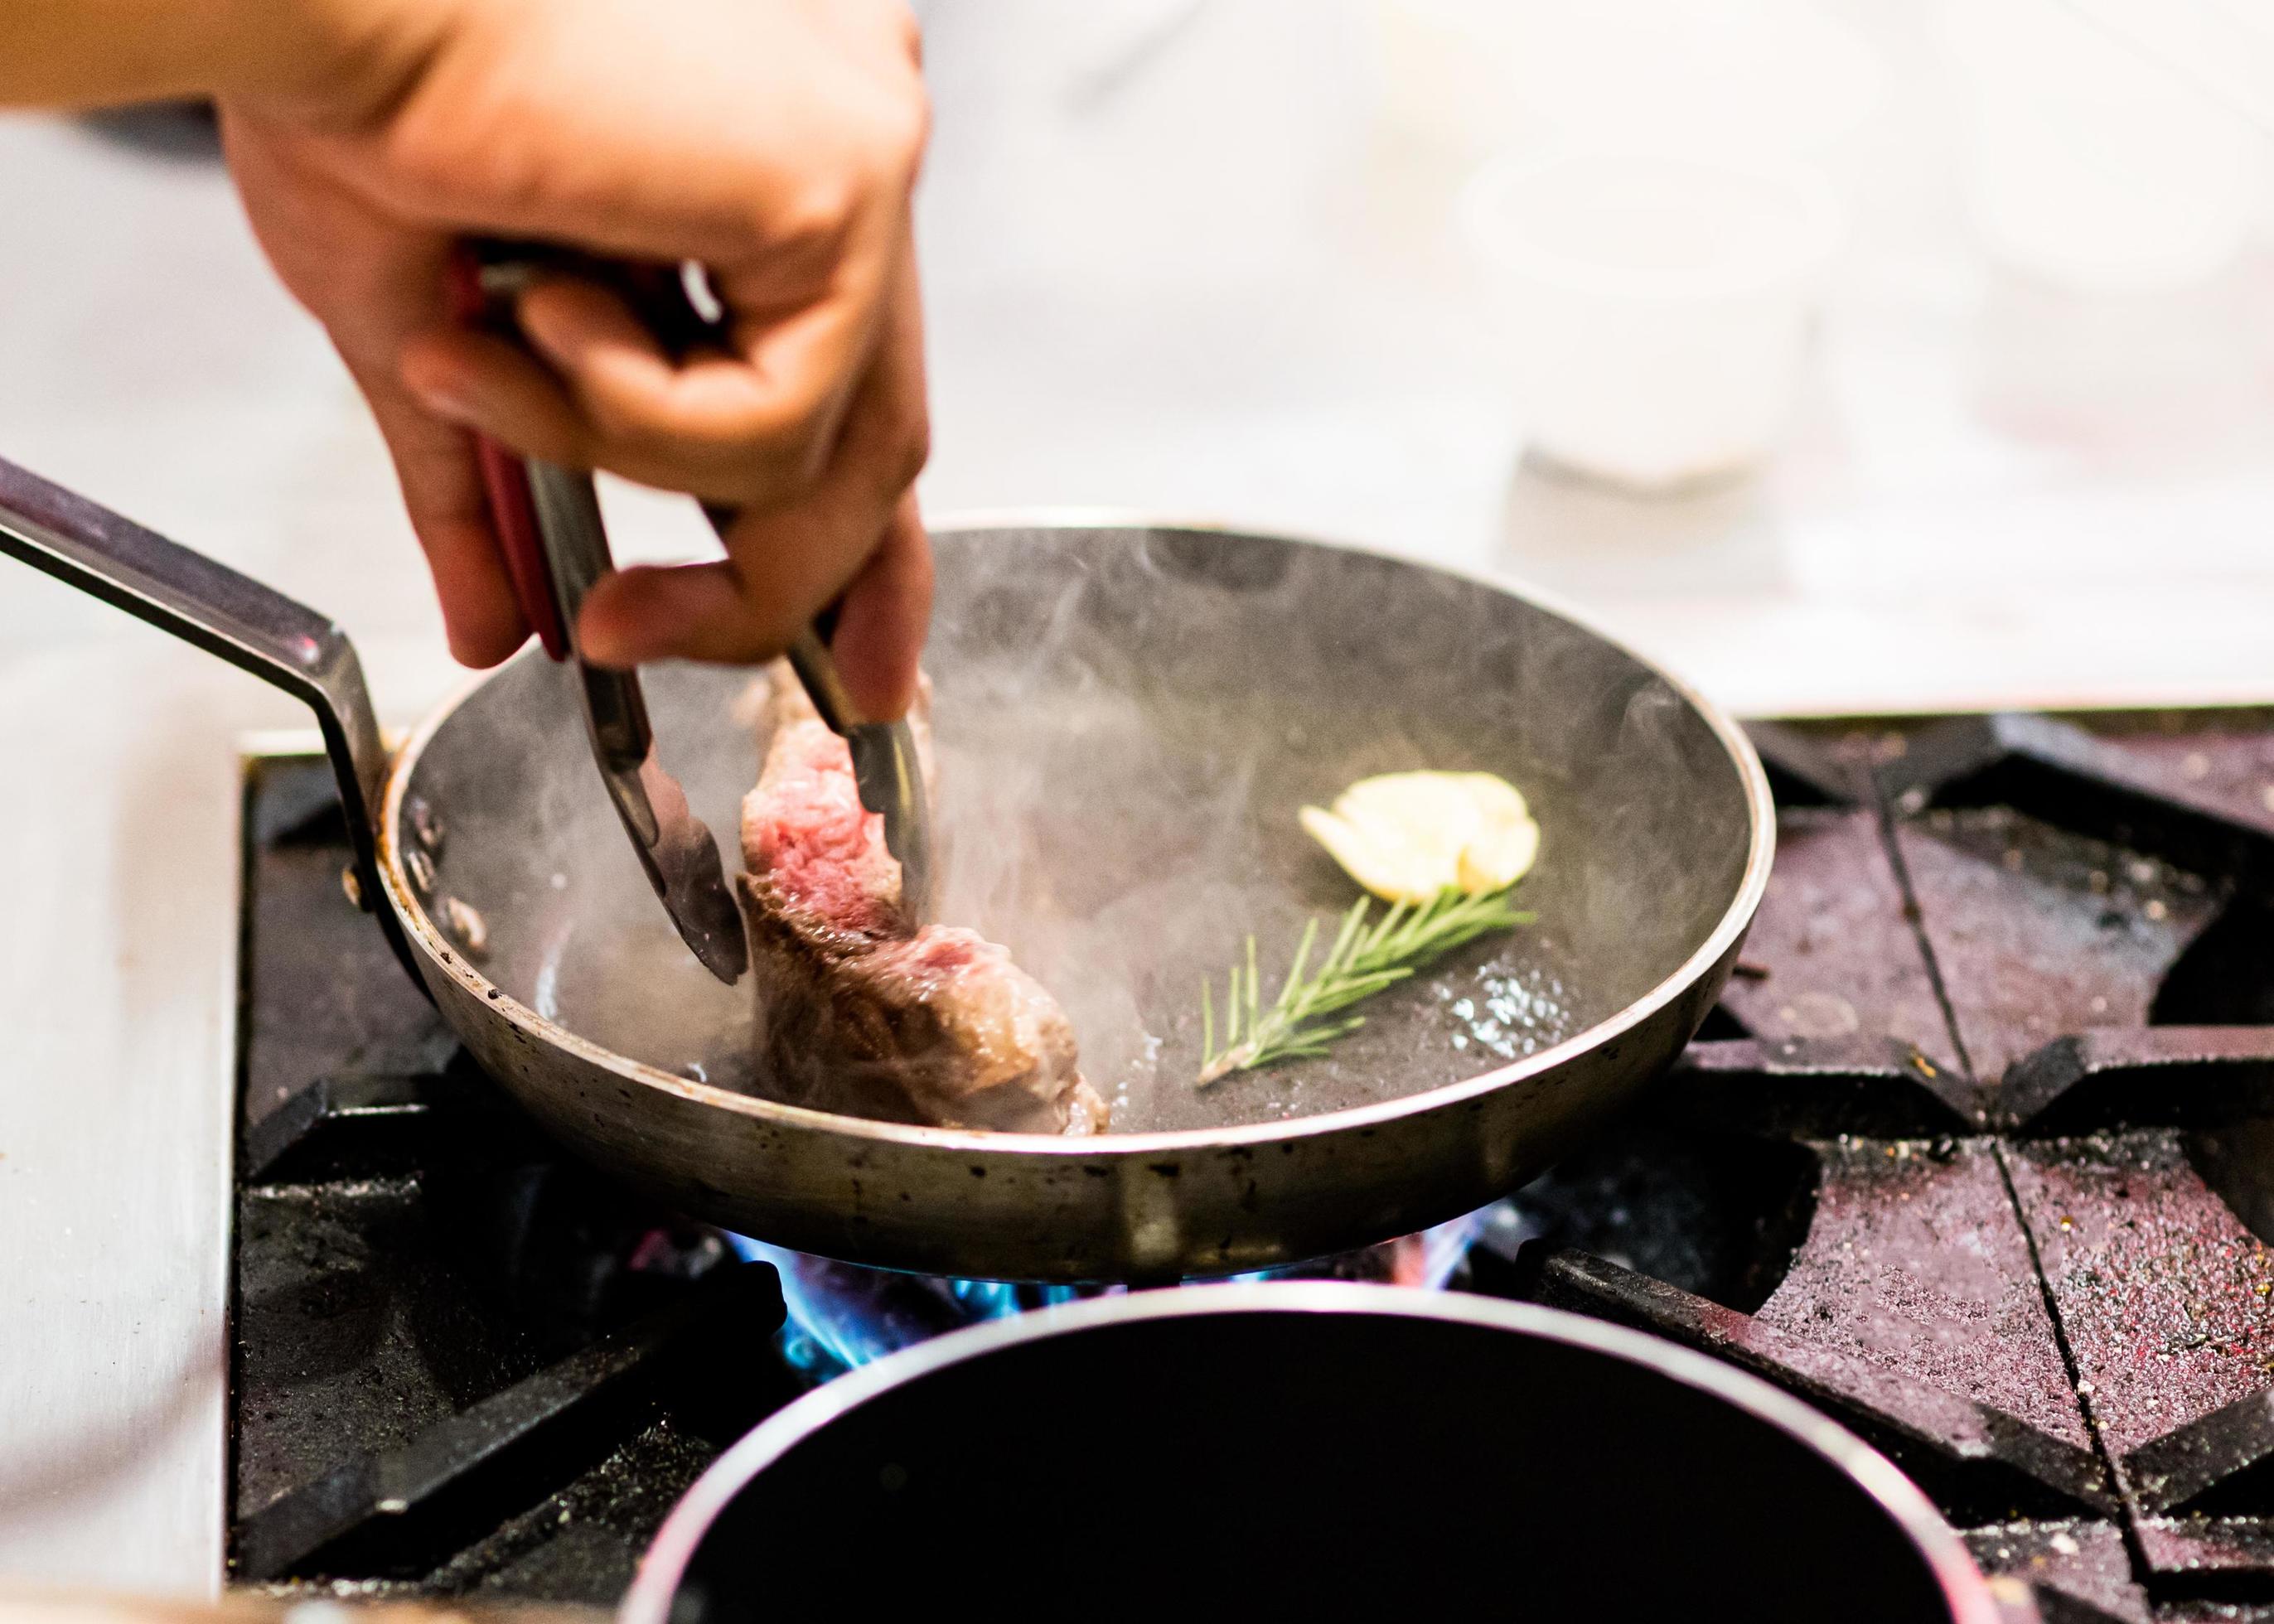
(1720, 943)
(1930, 1534)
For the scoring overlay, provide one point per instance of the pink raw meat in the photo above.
(861, 1012)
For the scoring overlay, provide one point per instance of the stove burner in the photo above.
(841, 1316)
(1978, 1156)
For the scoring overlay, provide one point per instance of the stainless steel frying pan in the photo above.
(1128, 716)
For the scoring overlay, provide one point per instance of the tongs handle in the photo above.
(532, 513)
(505, 478)
(885, 764)
(548, 523)
(555, 544)
(556, 549)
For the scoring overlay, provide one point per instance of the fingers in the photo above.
(369, 282)
(442, 493)
(782, 569)
(777, 146)
(887, 605)
(750, 427)
(753, 429)
(686, 612)
(858, 526)
(880, 625)
(707, 424)
(478, 380)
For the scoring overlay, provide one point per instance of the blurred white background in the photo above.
(1204, 257)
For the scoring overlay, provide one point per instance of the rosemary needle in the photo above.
(1365, 956)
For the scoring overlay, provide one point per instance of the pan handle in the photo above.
(214, 608)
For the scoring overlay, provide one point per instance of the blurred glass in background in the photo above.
(1847, 353)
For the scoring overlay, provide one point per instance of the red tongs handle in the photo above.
(505, 478)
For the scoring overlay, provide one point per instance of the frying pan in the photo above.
(1284, 1450)
(1127, 716)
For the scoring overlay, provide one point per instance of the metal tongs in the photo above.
(556, 548)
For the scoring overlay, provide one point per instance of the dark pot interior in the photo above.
(1281, 1460)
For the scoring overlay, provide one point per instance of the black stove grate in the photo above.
(2006, 996)
(1977, 1155)
(461, 1363)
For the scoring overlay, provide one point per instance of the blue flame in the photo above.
(841, 1316)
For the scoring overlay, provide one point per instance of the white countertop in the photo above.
(1196, 263)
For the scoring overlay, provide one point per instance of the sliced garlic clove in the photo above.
(1410, 836)
(1500, 861)
(1385, 866)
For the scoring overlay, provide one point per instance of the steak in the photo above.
(860, 1012)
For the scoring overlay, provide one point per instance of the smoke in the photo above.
(1113, 811)
(1036, 805)
(1125, 724)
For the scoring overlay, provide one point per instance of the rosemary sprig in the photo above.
(1365, 956)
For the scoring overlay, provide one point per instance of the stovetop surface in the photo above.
(1977, 1155)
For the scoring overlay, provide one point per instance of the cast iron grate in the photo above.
(2009, 992)
(461, 1363)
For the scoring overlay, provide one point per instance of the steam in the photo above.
(1124, 727)
(1125, 732)
(1096, 844)
(1085, 910)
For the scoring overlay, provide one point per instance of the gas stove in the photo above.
(1975, 1156)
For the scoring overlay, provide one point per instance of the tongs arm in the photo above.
(886, 765)
(575, 544)
(556, 548)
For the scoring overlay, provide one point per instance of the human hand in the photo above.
(775, 142)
